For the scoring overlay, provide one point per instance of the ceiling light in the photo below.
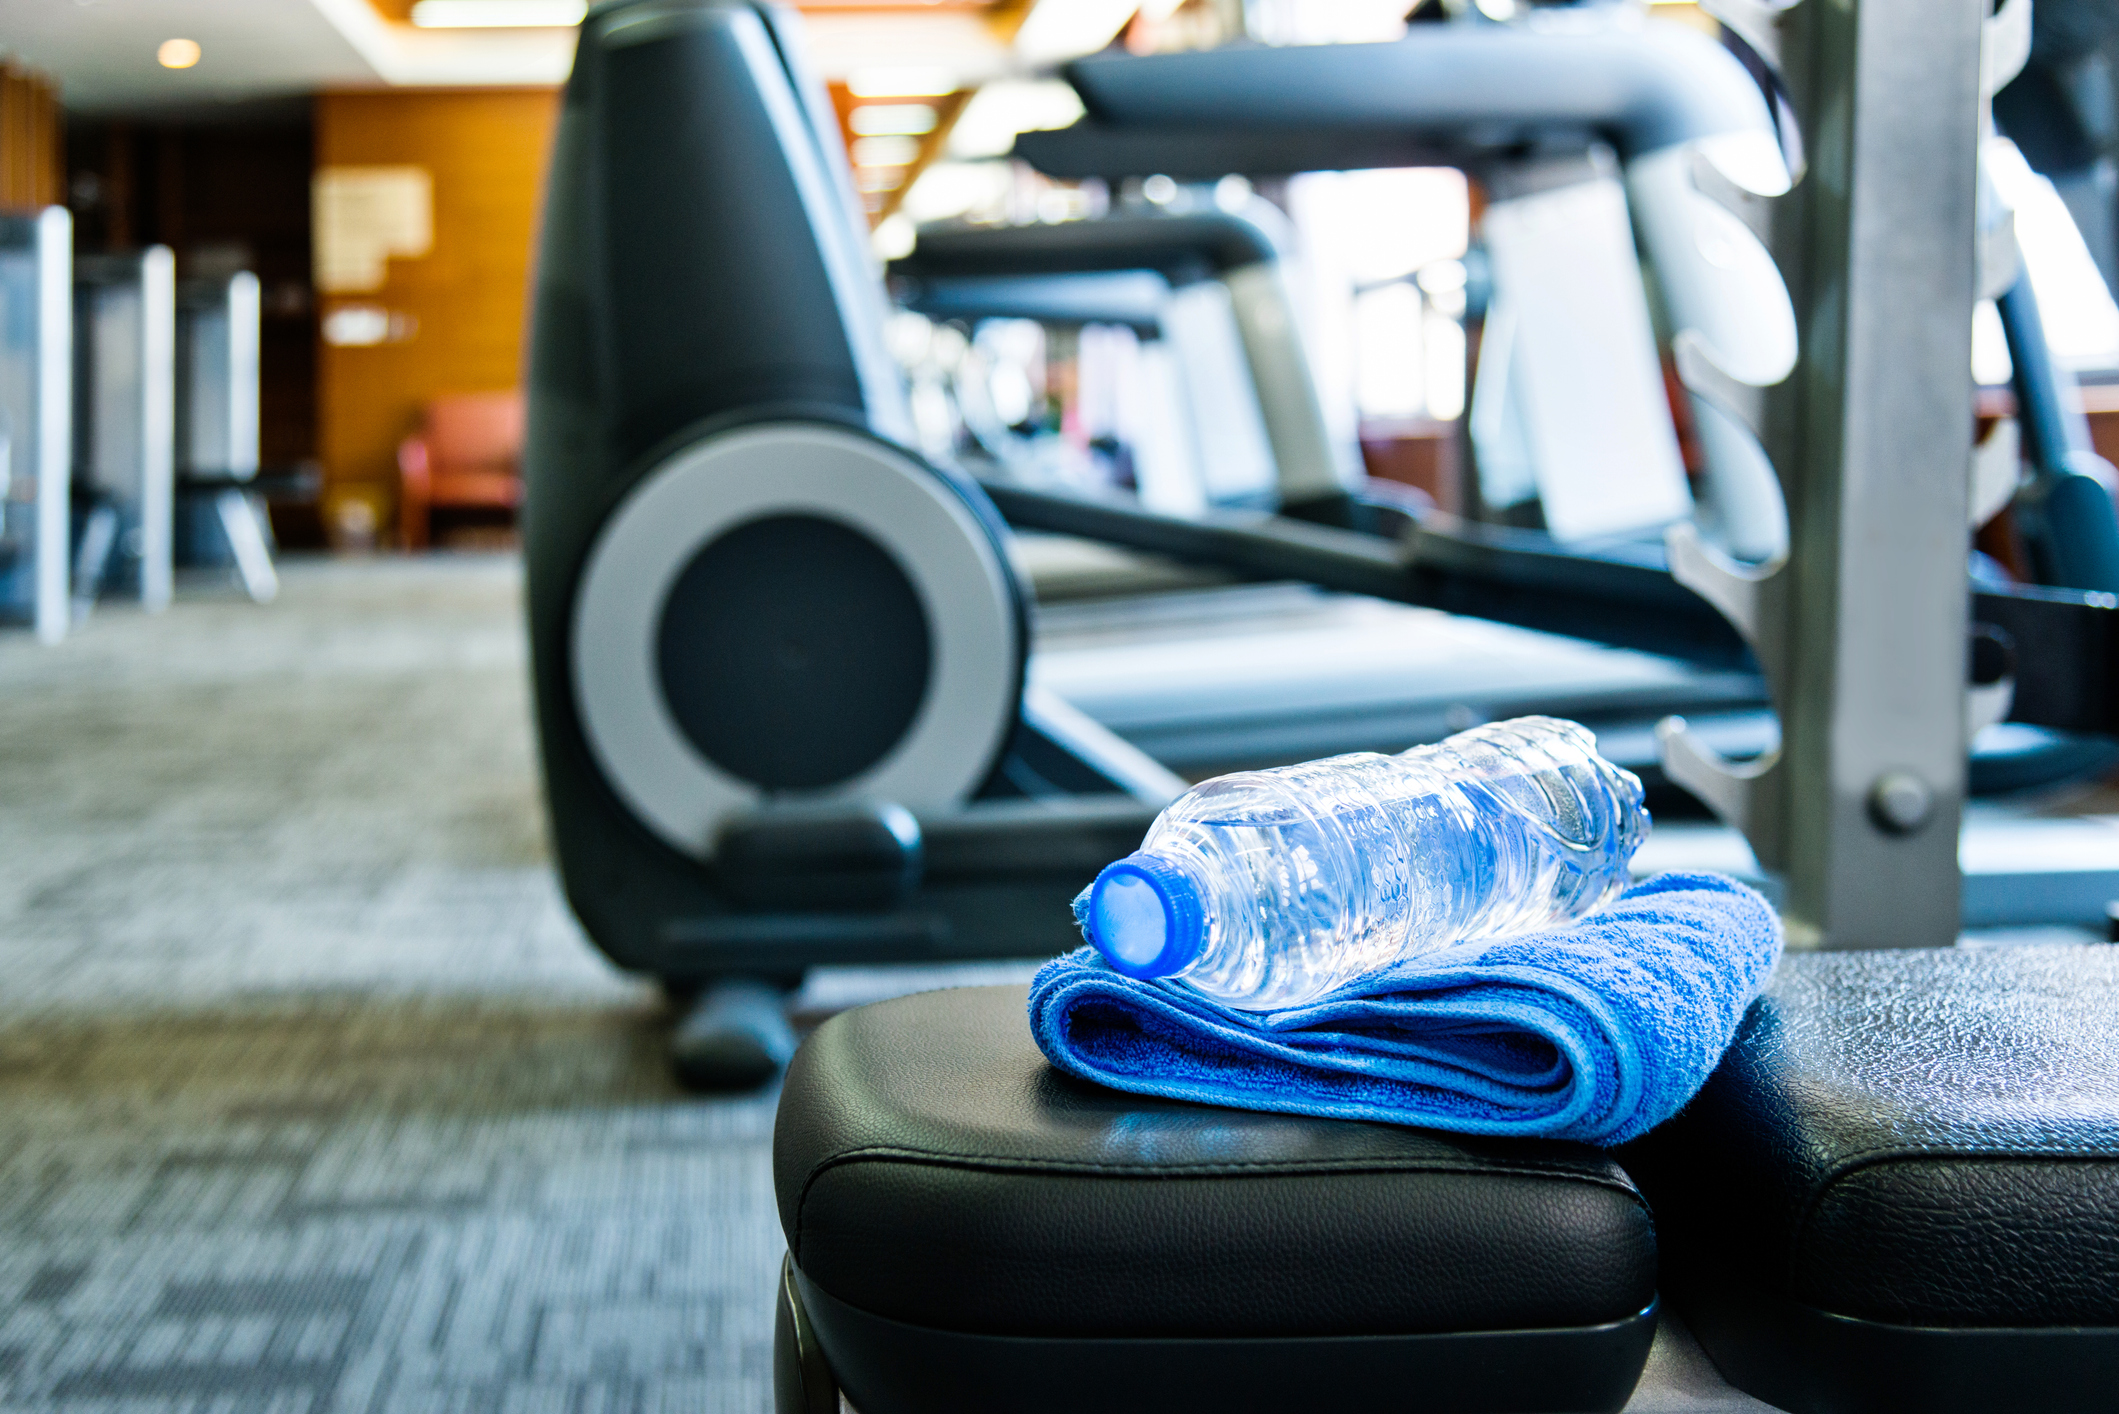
(1000, 111)
(895, 237)
(177, 53)
(947, 189)
(498, 14)
(1066, 29)
(894, 83)
(892, 119)
(885, 151)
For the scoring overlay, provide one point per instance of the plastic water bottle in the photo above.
(1268, 889)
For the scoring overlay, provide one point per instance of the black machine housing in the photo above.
(705, 292)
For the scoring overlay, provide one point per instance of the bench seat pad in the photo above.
(932, 1168)
(1904, 1179)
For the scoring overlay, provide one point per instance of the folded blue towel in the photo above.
(1597, 1032)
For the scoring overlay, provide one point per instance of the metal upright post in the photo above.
(54, 419)
(1862, 629)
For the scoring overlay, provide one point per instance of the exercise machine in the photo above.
(1218, 678)
(125, 322)
(220, 520)
(1254, 429)
(1701, 182)
(753, 769)
(36, 418)
(1691, 116)
(1539, 115)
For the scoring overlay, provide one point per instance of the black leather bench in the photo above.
(969, 1229)
(1900, 1190)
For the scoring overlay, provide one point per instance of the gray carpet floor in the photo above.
(312, 1095)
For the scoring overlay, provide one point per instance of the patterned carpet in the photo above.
(312, 1095)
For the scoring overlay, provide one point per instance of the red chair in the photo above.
(467, 455)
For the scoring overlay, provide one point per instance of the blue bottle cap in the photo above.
(1145, 918)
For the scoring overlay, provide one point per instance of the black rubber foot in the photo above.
(735, 1037)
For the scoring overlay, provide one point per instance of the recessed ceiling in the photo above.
(102, 52)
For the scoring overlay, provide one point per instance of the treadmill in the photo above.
(1205, 675)
(1696, 136)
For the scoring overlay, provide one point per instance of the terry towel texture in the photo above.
(1597, 1032)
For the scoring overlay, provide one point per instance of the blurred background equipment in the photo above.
(125, 334)
(221, 519)
(36, 418)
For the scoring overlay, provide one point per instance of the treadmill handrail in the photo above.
(1309, 463)
(1641, 89)
(1436, 563)
(1134, 298)
(1178, 247)
(2065, 643)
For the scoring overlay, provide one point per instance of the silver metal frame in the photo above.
(218, 330)
(55, 418)
(1862, 628)
(1310, 463)
(36, 414)
(158, 427)
(217, 393)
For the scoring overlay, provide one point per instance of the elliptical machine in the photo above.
(778, 658)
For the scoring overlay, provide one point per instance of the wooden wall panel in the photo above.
(458, 312)
(30, 139)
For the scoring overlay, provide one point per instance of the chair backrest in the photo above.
(475, 430)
